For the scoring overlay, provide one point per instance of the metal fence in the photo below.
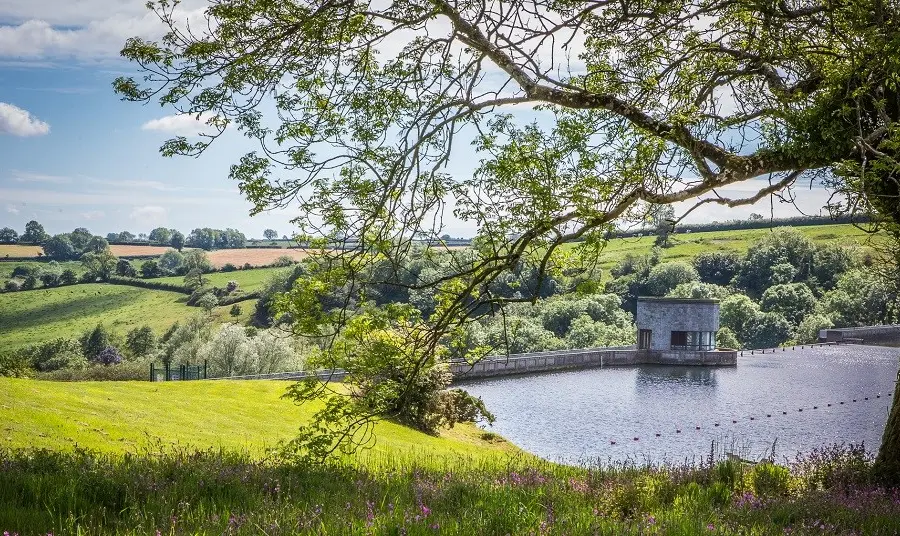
(182, 372)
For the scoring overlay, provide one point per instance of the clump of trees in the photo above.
(208, 239)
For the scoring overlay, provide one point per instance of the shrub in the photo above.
(125, 269)
(29, 283)
(208, 302)
(235, 310)
(284, 260)
(150, 269)
(134, 371)
(663, 278)
(23, 271)
(68, 277)
(770, 480)
(14, 364)
(140, 341)
(171, 262)
(228, 267)
(143, 283)
(248, 266)
(54, 355)
(12, 285)
(95, 341)
(231, 287)
(108, 356)
(50, 279)
(196, 295)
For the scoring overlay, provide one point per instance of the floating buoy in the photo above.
(612, 442)
(829, 404)
(657, 434)
(867, 398)
(635, 439)
(801, 409)
(877, 396)
(784, 413)
(733, 421)
(768, 414)
(717, 424)
(752, 418)
(698, 428)
(815, 407)
(842, 403)
(854, 400)
(677, 431)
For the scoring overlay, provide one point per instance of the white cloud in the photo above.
(24, 176)
(149, 215)
(182, 124)
(18, 122)
(12, 210)
(92, 215)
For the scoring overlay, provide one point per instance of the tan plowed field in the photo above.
(256, 257)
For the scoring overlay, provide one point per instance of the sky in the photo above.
(73, 155)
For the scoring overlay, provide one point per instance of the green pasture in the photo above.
(248, 280)
(34, 316)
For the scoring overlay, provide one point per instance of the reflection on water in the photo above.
(577, 415)
(655, 374)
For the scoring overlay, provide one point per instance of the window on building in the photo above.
(693, 340)
(644, 336)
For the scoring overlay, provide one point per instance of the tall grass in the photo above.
(175, 491)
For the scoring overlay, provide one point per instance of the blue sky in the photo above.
(72, 154)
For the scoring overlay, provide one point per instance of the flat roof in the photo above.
(675, 300)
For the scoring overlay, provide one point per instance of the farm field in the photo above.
(247, 415)
(688, 246)
(17, 250)
(34, 316)
(248, 280)
(256, 257)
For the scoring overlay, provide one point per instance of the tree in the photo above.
(95, 341)
(194, 279)
(99, 265)
(717, 267)
(108, 356)
(177, 240)
(657, 108)
(782, 256)
(171, 262)
(208, 302)
(665, 277)
(197, 259)
(96, 244)
(59, 247)
(161, 235)
(141, 341)
(662, 217)
(68, 277)
(8, 235)
(125, 269)
(80, 238)
(125, 236)
(736, 312)
(794, 301)
(270, 234)
(34, 233)
(150, 269)
(767, 330)
(112, 237)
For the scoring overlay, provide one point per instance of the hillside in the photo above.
(237, 415)
(30, 317)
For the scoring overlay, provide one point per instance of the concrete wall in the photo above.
(889, 334)
(548, 361)
(665, 315)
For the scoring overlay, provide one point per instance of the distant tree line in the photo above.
(756, 221)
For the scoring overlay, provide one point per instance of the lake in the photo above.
(575, 416)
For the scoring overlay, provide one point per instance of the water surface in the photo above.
(574, 416)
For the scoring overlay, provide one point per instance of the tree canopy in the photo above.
(358, 108)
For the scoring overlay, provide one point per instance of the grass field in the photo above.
(249, 280)
(38, 315)
(236, 415)
(688, 246)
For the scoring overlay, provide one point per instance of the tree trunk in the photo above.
(887, 464)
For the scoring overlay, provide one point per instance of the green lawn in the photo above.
(30, 317)
(688, 246)
(249, 280)
(121, 417)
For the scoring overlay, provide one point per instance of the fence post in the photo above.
(168, 371)
(152, 372)
(205, 369)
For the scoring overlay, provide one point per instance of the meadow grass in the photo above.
(249, 280)
(249, 415)
(34, 316)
